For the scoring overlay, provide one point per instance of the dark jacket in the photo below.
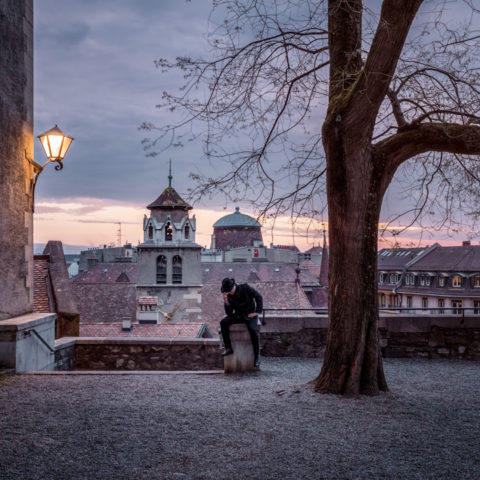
(245, 300)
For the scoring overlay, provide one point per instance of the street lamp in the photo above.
(55, 144)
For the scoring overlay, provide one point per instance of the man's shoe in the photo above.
(256, 363)
(227, 352)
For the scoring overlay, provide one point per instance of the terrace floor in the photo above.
(264, 425)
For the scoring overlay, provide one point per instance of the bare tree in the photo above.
(392, 88)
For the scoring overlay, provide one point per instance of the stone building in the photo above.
(16, 158)
(124, 254)
(168, 263)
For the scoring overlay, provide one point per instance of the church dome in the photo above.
(236, 219)
(236, 230)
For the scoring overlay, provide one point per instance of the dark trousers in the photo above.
(251, 324)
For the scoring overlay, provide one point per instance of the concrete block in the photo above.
(20, 345)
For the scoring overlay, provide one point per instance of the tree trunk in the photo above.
(355, 186)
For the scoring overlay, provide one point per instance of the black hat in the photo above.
(227, 285)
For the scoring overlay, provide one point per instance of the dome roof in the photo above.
(236, 219)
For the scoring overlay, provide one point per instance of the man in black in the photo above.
(242, 304)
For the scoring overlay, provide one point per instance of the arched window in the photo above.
(187, 231)
(162, 269)
(150, 231)
(177, 269)
(168, 232)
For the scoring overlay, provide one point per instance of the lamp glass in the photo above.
(55, 143)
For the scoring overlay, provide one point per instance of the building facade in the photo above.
(433, 280)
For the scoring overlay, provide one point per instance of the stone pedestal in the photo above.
(21, 345)
(242, 358)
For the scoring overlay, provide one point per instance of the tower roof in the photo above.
(236, 219)
(323, 277)
(169, 199)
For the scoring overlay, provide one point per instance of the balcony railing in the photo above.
(456, 311)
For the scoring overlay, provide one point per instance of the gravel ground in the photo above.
(264, 425)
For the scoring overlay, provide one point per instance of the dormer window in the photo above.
(456, 281)
(441, 281)
(187, 231)
(476, 281)
(425, 280)
(168, 232)
(150, 231)
(394, 278)
(409, 279)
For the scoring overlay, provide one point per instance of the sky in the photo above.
(94, 76)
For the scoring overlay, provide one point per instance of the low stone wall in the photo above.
(137, 354)
(65, 353)
(294, 336)
(400, 336)
(424, 336)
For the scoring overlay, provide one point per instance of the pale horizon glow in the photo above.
(94, 222)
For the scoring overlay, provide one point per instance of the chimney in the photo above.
(466, 243)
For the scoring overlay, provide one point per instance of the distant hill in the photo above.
(67, 249)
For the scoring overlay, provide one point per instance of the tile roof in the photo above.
(453, 259)
(162, 330)
(148, 300)
(397, 259)
(169, 199)
(266, 272)
(311, 266)
(109, 273)
(275, 295)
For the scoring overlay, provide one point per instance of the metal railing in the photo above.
(456, 311)
(32, 330)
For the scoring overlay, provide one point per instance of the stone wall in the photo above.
(16, 172)
(147, 354)
(400, 336)
(65, 353)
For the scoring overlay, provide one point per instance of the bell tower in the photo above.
(168, 262)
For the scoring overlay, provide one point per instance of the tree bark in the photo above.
(356, 183)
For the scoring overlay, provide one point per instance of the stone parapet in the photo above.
(147, 354)
(425, 336)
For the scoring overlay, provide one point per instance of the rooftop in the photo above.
(169, 199)
(236, 219)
